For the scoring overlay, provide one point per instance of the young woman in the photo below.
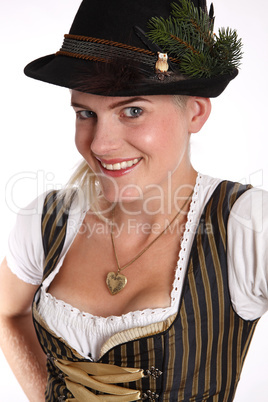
(152, 276)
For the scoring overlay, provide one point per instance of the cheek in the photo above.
(153, 134)
(168, 135)
(82, 140)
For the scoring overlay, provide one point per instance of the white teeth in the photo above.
(119, 166)
(123, 165)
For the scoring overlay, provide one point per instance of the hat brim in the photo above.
(66, 72)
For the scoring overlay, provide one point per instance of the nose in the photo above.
(106, 138)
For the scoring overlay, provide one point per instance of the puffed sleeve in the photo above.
(247, 254)
(25, 250)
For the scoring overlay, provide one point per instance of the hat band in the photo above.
(94, 49)
(103, 50)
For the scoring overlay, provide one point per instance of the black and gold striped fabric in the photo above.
(200, 355)
(54, 226)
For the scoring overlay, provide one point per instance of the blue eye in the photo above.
(85, 114)
(133, 111)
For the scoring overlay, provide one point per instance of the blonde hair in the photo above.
(180, 100)
(85, 182)
(84, 185)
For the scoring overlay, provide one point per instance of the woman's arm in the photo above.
(17, 334)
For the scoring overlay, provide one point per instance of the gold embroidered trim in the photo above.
(137, 333)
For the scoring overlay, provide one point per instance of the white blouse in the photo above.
(247, 256)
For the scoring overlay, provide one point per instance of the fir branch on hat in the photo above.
(187, 35)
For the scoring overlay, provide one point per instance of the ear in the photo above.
(199, 110)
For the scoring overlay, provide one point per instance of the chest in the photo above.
(81, 281)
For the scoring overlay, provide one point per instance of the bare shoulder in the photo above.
(15, 295)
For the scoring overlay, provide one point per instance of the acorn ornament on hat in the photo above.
(122, 48)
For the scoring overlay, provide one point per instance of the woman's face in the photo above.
(134, 144)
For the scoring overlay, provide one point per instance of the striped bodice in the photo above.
(196, 355)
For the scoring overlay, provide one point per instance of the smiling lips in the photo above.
(120, 165)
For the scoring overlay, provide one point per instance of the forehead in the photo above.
(84, 99)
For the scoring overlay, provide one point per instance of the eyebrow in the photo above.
(115, 104)
(129, 100)
(74, 104)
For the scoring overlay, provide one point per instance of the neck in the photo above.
(159, 207)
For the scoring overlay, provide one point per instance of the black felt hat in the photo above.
(113, 47)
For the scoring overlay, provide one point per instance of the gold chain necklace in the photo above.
(117, 281)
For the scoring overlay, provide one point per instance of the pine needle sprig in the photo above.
(187, 35)
(228, 47)
(197, 19)
(169, 34)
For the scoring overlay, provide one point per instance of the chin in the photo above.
(124, 193)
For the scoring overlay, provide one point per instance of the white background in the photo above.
(37, 127)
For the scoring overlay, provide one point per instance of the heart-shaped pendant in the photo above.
(115, 282)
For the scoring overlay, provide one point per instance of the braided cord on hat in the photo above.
(104, 50)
